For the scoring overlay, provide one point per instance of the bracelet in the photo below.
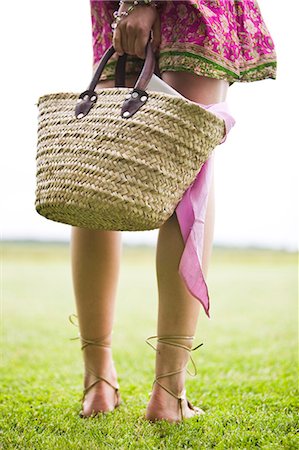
(137, 2)
(119, 15)
(140, 2)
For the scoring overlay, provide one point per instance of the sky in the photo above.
(47, 48)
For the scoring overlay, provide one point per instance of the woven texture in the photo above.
(105, 172)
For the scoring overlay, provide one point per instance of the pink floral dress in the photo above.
(222, 39)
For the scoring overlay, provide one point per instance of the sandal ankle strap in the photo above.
(86, 342)
(164, 340)
(98, 378)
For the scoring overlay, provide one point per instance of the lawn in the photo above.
(247, 367)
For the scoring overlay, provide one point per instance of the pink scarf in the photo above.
(191, 213)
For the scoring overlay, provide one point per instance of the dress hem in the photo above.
(200, 65)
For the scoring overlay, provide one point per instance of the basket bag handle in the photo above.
(137, 97)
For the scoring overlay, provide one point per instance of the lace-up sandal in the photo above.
(98, 378)
(181, 396)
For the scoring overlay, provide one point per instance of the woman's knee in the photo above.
(197, 88)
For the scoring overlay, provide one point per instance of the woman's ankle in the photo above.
(98, 360)
(173, 361)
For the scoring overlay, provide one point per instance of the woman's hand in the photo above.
(132, 33)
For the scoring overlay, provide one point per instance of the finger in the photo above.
(131, 37)
(117, 41)
(140, 44)
(156, 33)
(124, 36)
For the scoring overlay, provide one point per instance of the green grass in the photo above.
(247, 366)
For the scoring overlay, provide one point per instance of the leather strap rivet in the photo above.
(89, 96)
(143, 98)
(126, 113)
(79, 116)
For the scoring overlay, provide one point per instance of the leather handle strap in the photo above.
(120, 71)
(138, 95)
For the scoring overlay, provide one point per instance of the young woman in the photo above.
(202, 47)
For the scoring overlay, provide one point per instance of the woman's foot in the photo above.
(163, 405)
(171, 363)
(101, 397)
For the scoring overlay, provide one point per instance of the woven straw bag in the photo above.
(119, 158)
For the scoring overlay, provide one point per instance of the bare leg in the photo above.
(95, 268)
(178, 309)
